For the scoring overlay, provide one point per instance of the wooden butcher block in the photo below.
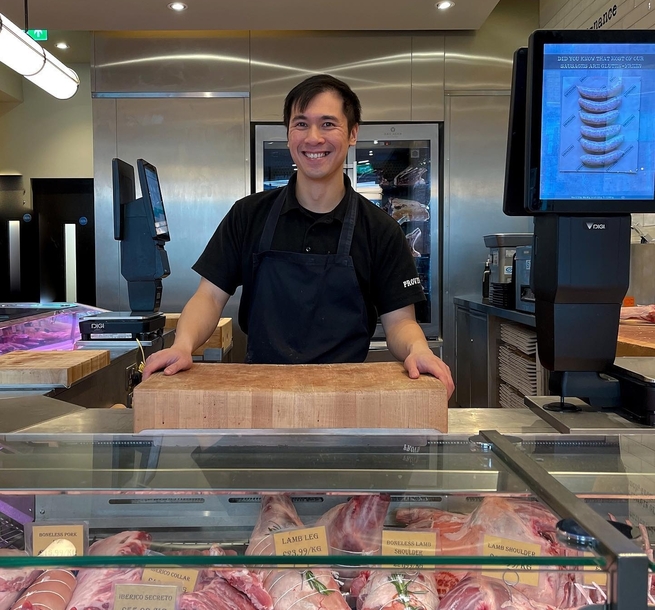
(369, 395)
(57, 368)
(636, 340)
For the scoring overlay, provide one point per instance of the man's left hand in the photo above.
(426, 362)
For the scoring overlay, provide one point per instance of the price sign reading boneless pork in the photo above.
(493, 546)
(301, 542)
(145, 597)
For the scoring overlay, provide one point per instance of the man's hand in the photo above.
(172, 360)
(407, 343)
(426, 362)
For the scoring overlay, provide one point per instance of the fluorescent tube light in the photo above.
(25, 56)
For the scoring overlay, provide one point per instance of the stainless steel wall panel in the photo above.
(108, 278)
(474, 170)
(200, 149)
(177, 61)
(482, 60)
(428, 78)
(377, 67)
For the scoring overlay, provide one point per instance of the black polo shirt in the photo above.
(382, 258)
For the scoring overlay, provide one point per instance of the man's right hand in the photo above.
(172, 360)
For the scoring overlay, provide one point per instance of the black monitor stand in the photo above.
(580, 274)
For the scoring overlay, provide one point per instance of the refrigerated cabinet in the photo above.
(192, 494)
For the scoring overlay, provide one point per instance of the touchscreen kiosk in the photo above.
(588, 163)
(142, 228)
(591, 121)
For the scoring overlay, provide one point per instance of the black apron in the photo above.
(306, 308)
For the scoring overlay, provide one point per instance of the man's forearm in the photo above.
(403, 337)
(197, 322)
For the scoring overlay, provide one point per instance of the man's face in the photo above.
(319, 137)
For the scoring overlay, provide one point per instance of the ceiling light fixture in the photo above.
(444, 4)
(31, 60)
(178, 6)
(62, 45)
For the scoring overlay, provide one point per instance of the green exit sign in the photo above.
(38, 34)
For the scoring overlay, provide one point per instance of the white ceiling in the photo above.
(93, 15)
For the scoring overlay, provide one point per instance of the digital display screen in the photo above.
(598, 122)
(154, 192)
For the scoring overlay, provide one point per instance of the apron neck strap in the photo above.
(347, 230)
(271, 222)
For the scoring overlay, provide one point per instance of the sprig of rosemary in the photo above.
(402, 588)
(315, 583)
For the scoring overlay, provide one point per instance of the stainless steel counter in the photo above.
(460, 421)
(20, 412)
(475, 303)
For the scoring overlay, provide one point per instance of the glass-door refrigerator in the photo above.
(396, 167)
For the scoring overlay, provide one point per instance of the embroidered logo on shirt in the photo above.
(412, 282)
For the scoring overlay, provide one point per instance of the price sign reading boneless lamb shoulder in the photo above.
(493, 546)
(145, 597)
(301, 542)
(406, 543)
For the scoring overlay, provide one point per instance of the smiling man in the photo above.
(318, 263)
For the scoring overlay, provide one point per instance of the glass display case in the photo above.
(41, 326)
(360, 520)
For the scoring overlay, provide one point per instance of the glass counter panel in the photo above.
(405, 516)
(613, 474)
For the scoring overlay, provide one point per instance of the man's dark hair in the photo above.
(303, 93)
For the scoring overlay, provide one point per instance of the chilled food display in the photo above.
(50, 326)
(355, 527)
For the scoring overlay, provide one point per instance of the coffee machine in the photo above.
(502, 249)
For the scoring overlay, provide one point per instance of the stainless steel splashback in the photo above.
(474, 172)
(201, 150)
(397, 78)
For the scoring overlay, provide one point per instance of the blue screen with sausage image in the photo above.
(598, 122)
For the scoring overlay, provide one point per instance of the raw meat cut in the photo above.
(480, 593)
(643, 312)
(305, 589)
(395, 591)
(95, 586)
(507, 518)
(404, 210)
(410, 176)
(15, 579)
(512, 519)
(7, 599)
(125, 543)
(214, 594)
(356, 526)
(51, 591)
(249, 582)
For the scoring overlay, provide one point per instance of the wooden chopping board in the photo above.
(58, 368)
(217, 396)
(636, 340)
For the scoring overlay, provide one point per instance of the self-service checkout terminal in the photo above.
(581, 159)
(142, 229)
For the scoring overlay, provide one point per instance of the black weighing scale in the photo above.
(122, 326)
